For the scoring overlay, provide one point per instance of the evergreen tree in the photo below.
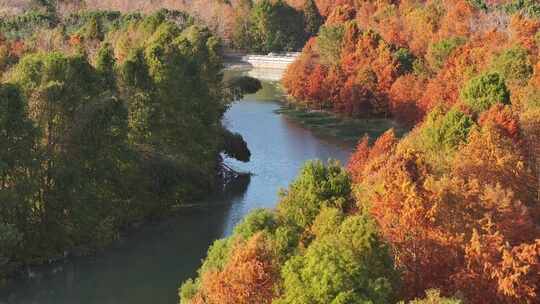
(312, 18)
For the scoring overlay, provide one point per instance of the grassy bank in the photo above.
(341, 127)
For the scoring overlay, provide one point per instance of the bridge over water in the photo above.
(266, 67)
(271, 61)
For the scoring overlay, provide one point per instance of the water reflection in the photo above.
(143, 267)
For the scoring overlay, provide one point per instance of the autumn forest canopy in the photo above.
(112, 116)
(448, 213)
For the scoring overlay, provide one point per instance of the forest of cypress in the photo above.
(112, 118)
(105, 120)
(448, 213)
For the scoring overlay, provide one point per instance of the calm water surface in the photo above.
(149, 265)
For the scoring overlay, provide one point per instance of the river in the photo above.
(148, 265)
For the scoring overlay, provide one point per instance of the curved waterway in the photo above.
(148, 265)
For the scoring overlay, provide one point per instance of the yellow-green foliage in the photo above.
(514, 65)
(485, 90)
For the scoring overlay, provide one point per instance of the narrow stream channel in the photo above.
(148, 265)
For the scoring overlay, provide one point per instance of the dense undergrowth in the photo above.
(448, 213)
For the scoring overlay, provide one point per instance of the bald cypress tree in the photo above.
(312, 18)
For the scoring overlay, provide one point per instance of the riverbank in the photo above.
(347, 129)
(148, 263)
(227, 180)
(325, 124)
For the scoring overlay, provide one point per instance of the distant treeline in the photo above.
(256, 26)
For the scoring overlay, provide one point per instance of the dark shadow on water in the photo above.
(153, 260)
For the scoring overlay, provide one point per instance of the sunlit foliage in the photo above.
(483, 91)
(274, 26)
(457, 198)
(110, 120)
(318, 252)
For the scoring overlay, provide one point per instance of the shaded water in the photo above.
(149, 265)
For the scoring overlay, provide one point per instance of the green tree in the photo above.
(312, 18)
(217, 256)
(329, 43)
(405, 59)
(273, 26)
(17, 163)
(326, 222)
(317, 186)
(514, 65)
(90, 148)
(353, 266)
(235, 146)
(17, 136)
(256, 221)
(485, 90)
(446, 131)
(82, 143)
(105, 65)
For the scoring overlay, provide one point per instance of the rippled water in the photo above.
(149, 265)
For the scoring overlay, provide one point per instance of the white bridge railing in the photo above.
(272, 60)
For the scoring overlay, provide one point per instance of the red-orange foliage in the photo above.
(364, 153)
(247, 278)
(314, 85)
(503, 119)
(406, 212)
(502, 273)
(75, 40)
(341, 14)
(490, 157)
(359, 159)
(524, 30)
(363, 99)
(456, 21)
(535, 80)
(404, 94)
(431, 224)
(333, 84)
(472, 58)
(415, 27)
(470, 225)
(327, 6)
(297, 73)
